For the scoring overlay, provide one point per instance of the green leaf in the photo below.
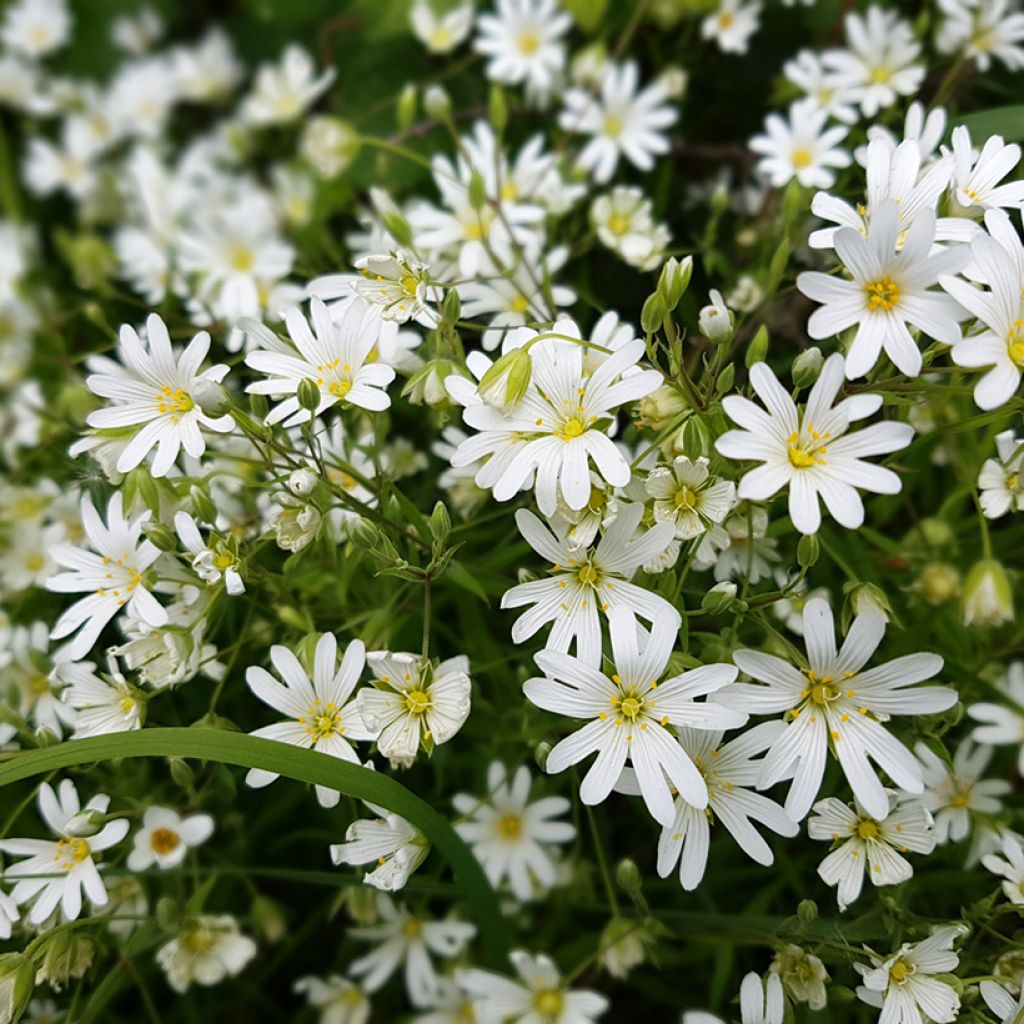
(587, 13)
(462, 577)
(308, 766)
(1005, 121)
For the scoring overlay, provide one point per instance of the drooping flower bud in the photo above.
(506, 380)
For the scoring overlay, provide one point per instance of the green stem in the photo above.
(307, 766)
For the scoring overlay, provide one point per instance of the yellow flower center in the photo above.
(588, 574)
(881, 75)
(613, 126)
(883, 294)
(412, 928)
(529, 42)
(198, 940)
(176, 401)
(241, 258)
(410, 284)
(628, 705)
(802, 157)
(340, 388)
(520, 304)
(867, 830)
(417, 702)
(164, 840)
(900, 971)
(1015, 343)
(549, 1002)
(807, 447)
(71, 852)
(800, 457)
(618, 223)
(1013, 482)
(685, 497)
(572, 428)
(510, 827)
(823, 692)
(725, 20)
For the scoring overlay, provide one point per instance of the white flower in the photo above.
(1003, 1003)
(38, 682)
(627, 714)
(510, 836)
(869, 844)
(837, 705)
(761, 1002)
(9, 914)
(539, 996)
(398, 284)
(624, 120)
(135, 33)
(440, 33)
(560, 425)
(728, 772)
(208, 949)
(395, 847)
(403, 938)
(113, 572)
(808, 73)
(982, 31)
(522, 40)
(283, 92)
(715, 319)
(68, 166)
(887, 291)
(803, 975)
(879, 65)
(1000, 309)
(902, 985)
(417, 702)
(688, 498)
(337, 358)
(153, 392)
(1010, 867)
(800, 147)
(165, 837)
(926, 130)
(954, 793)
(101, 705)
(338, 1000)
(977, 178)
(208, 70)
(624, 222)
(732, 25)
(1000, 724)
(36, 27)
(1000, 483)
(318, 710)
(807, 451)
(295, 522)
(584, 582)
(55, 874)
(141, 97)
(210, 564)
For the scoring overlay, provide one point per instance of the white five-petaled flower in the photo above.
(1000, 481)
(953, 793)
(165, 837)
(36, 28)
(999, 258)
(809, 450)
(113, 572)
(336, 356)
(982, 31)
(1010, 867)
(338, 1000)
(522, 40)
(688, 498)
(210, 563)
(403, 938)
(394, 846)
(56, 873)
(156, 391)
(627, 715)
(101, 705)
(511, 836)
(887, 290)
(729, 771)
(416, 702)
(977, 178)
(560, 425)
(623, 120)
(397, 284)
(801, 147)
(732, 25)
(869, 844)
(1001, 724)
(539, 996)
(282, 92)
(207, 949)
(318, 709)
(440, 33)
(583, 582)
(903, 987)
(837, 705)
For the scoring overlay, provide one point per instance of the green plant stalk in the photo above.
(308, 766)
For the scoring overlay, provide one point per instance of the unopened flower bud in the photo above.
(202, 504)
(757, 350)
(477, 190)
(268, 918)
(451, 307)
(329, 144)
(308, 394)
(506, 380)
(426, 385)
(987, 596)
(181, 772)
(865, 597)
(726, 379)
(653, 314)
(362, 904)
(159, 535)
(938, 583)
(405, 111)
(437, 103)
(627, 875)
(211, 397)
(674, 280)
(715, 319)
(85, 824)
(259, 406)
(808, 550)
(658, 409)
(719, 598)
(807, 366)
(302, 482)
(497, 109)
(807, 910)
(540, 755)
(17, 979)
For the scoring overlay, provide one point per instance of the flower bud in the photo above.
(715, 319)
(808, 551)
(308, 395)
(181, 772)
(506, 380)
(988, 596)
(259, 406)
(426, 385)
(540, 755)
(405, 112)
(451, 306)
(497, 109)
(211, 397)
(807, 910)
(694, 438)
(268, 918)
(140, 482)
(726, 379)
(807, 366)
(159, 535)
(658, 409)
(440, 522)
(329, 145)
(64, 955)
(938, 583)
(477, 190)
(202, 504)
(865, 597)
(627, 875)
(17, 979)
(437, 103)
(653, 314)
(362, 904)
(718, 599)
(757, 350)
(85, 824)
(674, 280)
(674, 80)
(302, 482)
